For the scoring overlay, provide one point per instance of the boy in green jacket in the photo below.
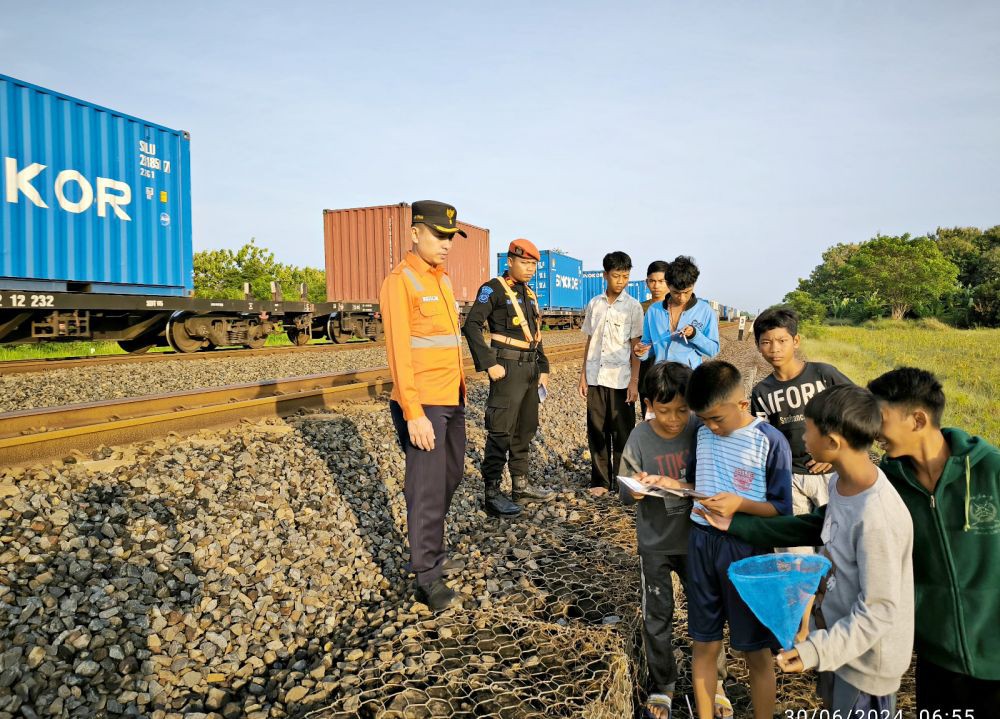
(950, 483)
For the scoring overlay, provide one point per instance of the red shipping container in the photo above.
(363, 244)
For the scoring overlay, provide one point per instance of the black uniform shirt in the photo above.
(492, 310)
(783, 404)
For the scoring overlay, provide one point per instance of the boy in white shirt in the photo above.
(609, 380)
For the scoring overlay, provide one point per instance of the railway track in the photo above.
(36, 435)
(14, 367)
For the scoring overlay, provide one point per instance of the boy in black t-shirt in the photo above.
(781, 399)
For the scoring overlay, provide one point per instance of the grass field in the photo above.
(966, 361)
(86, 349)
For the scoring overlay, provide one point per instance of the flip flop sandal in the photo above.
(657, 701)
(723, 707)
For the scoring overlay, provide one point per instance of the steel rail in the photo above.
(14, 367)
(36, 435)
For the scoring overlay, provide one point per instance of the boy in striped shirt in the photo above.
(745, 464)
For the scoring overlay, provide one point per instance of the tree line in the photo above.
(221, 274)
(952, 274)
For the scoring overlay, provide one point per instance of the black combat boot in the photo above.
(497, 504)
(437, 595)
(523, 490)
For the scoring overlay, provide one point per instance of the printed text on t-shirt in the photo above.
(742, 479)
(673, 464)
(794, 397)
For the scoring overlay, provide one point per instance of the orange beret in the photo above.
(524, 248)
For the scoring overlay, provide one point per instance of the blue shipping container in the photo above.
(93, 199)
(638, 289)
(557, 282)
(593, 285)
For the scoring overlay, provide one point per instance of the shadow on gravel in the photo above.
(358, 469)
(360, 461)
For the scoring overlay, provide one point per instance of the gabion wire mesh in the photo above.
(491, 664)
(583, 578)
(573, 577)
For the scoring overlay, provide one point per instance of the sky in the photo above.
(749, 135)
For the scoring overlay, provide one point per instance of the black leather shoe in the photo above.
(497, 505)
(436, 595)
(525, 490)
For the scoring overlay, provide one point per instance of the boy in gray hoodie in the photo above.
(863, 638)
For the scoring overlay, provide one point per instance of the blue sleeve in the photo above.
(645, 330)
(707, 340)
(779, 469)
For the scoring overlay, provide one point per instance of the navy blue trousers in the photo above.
(431, 480)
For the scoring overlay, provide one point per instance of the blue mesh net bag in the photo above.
(777, 588)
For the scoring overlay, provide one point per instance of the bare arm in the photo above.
(583, 370)
(632, 394)
(726, 504)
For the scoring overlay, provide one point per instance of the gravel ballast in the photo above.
(259, 572)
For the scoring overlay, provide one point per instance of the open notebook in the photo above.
(634, 485)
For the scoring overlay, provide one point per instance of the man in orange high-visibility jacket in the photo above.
(424, 344)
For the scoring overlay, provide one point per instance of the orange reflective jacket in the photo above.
(423, 339)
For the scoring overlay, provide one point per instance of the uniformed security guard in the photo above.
(424, 348)
(516, 364)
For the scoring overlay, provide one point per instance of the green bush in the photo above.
(809, 308)
(813, 330)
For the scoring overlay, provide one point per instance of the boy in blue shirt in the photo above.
(682, 328)
(746, 465)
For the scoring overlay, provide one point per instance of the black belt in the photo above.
(519, 355)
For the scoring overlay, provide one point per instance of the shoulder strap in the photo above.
(512, 296)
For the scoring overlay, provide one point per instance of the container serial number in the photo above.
(30, 300)
(154, 163)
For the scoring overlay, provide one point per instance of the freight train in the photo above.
(95, 234)
(96, 243)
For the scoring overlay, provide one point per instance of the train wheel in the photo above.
(333, 332)
(137, 346)
(255, 343)
(178, 337)
(297, 337)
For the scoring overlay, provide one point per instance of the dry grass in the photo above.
(966, 362)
